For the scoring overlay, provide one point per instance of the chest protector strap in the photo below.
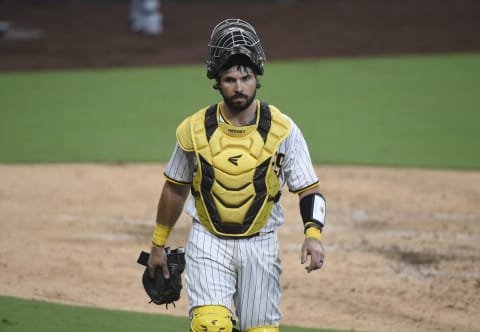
(235, 186)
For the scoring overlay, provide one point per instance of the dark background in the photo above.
(92, 34)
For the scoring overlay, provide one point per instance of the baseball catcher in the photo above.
(231, 160)
(163, 290)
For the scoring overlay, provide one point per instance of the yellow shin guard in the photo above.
(211, 318)
(263, 329)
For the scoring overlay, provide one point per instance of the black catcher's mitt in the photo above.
(159, 289)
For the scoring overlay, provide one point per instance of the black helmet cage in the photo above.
(229, 37)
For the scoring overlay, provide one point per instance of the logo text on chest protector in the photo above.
(236, 131)
(234, 159)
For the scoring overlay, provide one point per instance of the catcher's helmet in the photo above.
(233, 37)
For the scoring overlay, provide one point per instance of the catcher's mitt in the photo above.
(159, 289)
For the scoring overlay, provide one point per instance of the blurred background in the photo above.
(51, 34)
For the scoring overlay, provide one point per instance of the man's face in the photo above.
(238, 86)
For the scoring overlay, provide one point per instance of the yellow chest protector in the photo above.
(235, 186)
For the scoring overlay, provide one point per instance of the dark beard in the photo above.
(236, 106)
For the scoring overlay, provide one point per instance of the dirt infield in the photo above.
(403, 245)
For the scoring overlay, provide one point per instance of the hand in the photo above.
(313, 248)
(158, 258)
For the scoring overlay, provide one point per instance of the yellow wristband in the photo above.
(313, 232)
(160, 235)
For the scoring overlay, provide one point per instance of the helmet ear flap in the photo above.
(233, 37)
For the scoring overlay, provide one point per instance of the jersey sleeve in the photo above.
(298, 168)
(180, 166)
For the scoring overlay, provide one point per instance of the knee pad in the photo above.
(263, 329)
(211, 318)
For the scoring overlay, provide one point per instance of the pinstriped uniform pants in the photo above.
(243, 271)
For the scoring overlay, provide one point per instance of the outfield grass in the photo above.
(399, 111)
(104, 115)
(18, 315)
(407, 111)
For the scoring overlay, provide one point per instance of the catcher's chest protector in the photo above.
(235, 186)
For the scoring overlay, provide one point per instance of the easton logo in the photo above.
(234, 159)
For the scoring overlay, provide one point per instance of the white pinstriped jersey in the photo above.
(292, 164)
(245, 270)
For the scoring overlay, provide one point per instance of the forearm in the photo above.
(313, 215)
(171, 203)
(170, 207)
(312, 208)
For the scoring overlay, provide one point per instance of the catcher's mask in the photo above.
(233, 37)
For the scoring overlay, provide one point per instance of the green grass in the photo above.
(417, 111)
(18, 315)
(407, 111)
(37, 316)
(105, 115)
